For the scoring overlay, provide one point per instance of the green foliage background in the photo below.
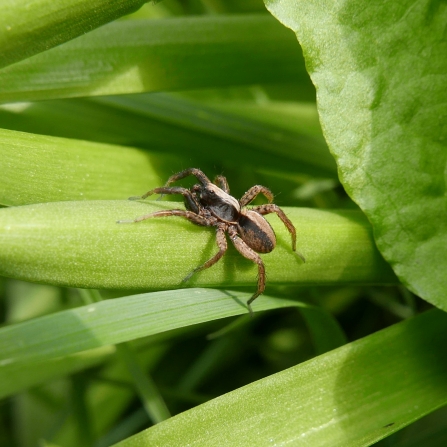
(101, 344)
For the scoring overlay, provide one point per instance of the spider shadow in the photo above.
(236, 299)
(208, 251)
(234, 262)
(230, 269)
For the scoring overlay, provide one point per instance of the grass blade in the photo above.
(352, 396)
(122, 319)
(167, 123)
(56, 169)
(153, 55)
(29, 28)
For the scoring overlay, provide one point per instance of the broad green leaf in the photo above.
(27, 28)
(38, 168)
(352, 396)
(79, 244)
(152, 55)
(189, 129)
(380, 70)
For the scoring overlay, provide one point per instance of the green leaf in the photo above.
(38, 168)
(80, 244)
(152, 55)
(89, 327)
(168, 123)
(352, 396)
(381, 76)
(27, 28)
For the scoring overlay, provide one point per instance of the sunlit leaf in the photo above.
(152, 55)
(27, 28)
(80, 244)
(352, 396)
(166, 123)
(381, 76)
(38, 168)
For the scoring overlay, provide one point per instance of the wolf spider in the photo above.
(210, 205)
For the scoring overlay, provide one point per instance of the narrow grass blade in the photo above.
(17, 377)
(147, 390)
(248, 135)
(324, 329)
(122, 319)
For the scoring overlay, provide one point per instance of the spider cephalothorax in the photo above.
(210, 205)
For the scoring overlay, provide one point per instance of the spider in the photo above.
(211, 205)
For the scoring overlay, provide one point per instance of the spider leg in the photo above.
(250, 254)
(253, 192)
(193, 217)
(191, 171)
(222, 183)
(272, 208)
(221, 241)
(190, 199)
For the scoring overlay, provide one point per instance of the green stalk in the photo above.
(80, 244)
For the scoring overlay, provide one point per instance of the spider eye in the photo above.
(209, 192)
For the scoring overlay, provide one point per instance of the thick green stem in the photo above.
(79, 244)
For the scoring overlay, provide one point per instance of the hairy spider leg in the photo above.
(191, 171)
(272, 208)
(222, 183)
(221, 241)
(190, 199)
(193, 217)
(250, 254)
(253, 192)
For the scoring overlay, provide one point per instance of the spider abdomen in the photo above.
(256, 232)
